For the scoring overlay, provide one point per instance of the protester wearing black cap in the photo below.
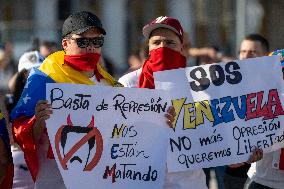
(82, 39)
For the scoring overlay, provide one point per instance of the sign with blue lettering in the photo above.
(224, 111)
(104, 137)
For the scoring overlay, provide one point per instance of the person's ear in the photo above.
(64, 44)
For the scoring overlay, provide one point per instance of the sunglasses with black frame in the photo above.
(83, 42)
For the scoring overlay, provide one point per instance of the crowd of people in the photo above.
(26, 157)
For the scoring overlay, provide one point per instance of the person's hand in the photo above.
(236, 165)
(42, 113)
(211, 52)
(170, 116)
(255, 156)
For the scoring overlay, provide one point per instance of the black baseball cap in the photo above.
(80, 22)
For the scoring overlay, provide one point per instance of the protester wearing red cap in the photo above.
(169, 47)
(165, 42)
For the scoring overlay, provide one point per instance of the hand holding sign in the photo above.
(170, 115)
(255, 156)
(42, 113)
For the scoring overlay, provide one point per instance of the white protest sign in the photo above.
(105, 137)
(224, 111)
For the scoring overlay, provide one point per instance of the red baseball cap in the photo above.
(164, 22)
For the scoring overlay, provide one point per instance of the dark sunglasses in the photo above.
(84, 42)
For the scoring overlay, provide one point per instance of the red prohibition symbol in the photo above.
(92, 134)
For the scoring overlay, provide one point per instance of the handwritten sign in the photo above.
(224, 111)
(108, 137)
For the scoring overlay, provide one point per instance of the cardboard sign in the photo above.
(109, 138)
(224, 111)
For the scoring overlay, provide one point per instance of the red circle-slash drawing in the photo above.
(92, 134)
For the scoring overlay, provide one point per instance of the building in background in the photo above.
(221, 23)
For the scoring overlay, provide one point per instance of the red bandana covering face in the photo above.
(160, 59)
(84, 62)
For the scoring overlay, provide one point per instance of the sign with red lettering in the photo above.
(106, 137)
(224, 111)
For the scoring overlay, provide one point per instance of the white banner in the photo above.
(224, 111)
(110, 138)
